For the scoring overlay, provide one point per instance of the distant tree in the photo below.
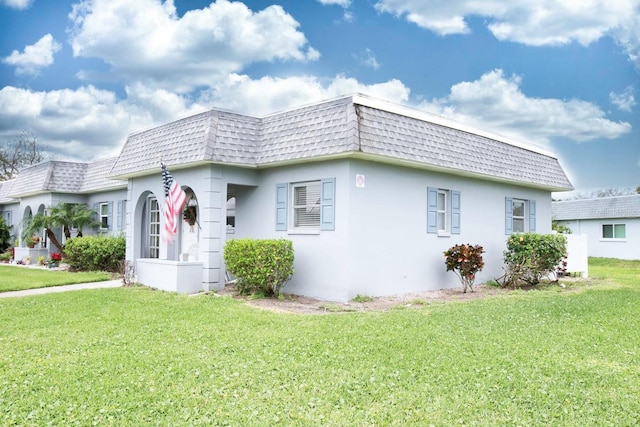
(638, 190)
(23, 151)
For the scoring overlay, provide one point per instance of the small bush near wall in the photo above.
(261, 266)
(465, 261)
(530, 257)
(92, 253)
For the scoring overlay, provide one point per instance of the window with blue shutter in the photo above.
(455, 212)
(443, 211)
(121, 215)
(109, 216)
(327, 204)
(282, 195)
(306, 207)
(519, 216)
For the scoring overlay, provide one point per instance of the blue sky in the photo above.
(561, 74)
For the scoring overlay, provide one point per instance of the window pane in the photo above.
(607, 231)
(306, 205)
(518, 225)
(441, 221)
(619, 231)
(441, 201)
(518, 209)
(104, 209)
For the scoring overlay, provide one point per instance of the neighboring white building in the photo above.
(611, 224)
(370, 193)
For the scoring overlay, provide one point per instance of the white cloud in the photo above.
(146, 41)
(16, 4)
(496, 103)
(268, 94)
(96, 124)
(531, 22)
(343, 3)
(369, 59)
(81, 123)
(625, 100)
(34, 57)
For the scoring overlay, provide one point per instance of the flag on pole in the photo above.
(174, 201)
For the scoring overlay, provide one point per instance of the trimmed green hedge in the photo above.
(260, 266)
(93, 253)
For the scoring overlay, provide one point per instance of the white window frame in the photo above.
(443, 212)
(524, 217)
(103, 217)
(153, 221)
(613, 226)
(309, 207)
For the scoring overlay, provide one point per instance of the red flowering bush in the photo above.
(56, 256)
(465, 261)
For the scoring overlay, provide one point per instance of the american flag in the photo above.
(174, 200)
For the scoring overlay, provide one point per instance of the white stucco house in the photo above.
(611, 224)
(370, 193)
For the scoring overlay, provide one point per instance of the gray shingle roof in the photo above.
(5, 189)
(65, 177)
(599, 208)
(353, 125)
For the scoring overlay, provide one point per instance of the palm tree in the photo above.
(65, 215)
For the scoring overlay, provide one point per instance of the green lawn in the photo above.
(131, 356)
(15, 278)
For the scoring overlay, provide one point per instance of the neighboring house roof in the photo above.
(5, 188)
(598, 208)
(353, 126)
(65, 177)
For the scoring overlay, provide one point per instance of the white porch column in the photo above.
(211, 239)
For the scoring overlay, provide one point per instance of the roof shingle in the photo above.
(349, 125)
(598, 208)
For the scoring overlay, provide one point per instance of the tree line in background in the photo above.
(22, 151)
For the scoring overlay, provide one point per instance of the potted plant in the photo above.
(33, 241)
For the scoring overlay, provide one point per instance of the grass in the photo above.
(131, 356)
(14, 278)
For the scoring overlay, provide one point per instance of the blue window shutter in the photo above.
(455, 212)
(96, 212)
(532, 216)
(282, 195)
(110, 216)
(508, 215)
(432, 210)
(328, 204)
(120, 224)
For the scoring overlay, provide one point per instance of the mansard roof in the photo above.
(597, 208)
(55, 176)
(353, 126)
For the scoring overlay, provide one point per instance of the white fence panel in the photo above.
(577, 257)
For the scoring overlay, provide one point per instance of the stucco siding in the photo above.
(391, 250)
(380, 245)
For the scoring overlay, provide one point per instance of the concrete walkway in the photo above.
(64, 288)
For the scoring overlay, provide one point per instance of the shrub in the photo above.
(261, 266)
(91, 253)
(530, 257)
(5, 235)
(465, 261)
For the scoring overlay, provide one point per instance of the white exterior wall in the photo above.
(380, 245)
(628, 248)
